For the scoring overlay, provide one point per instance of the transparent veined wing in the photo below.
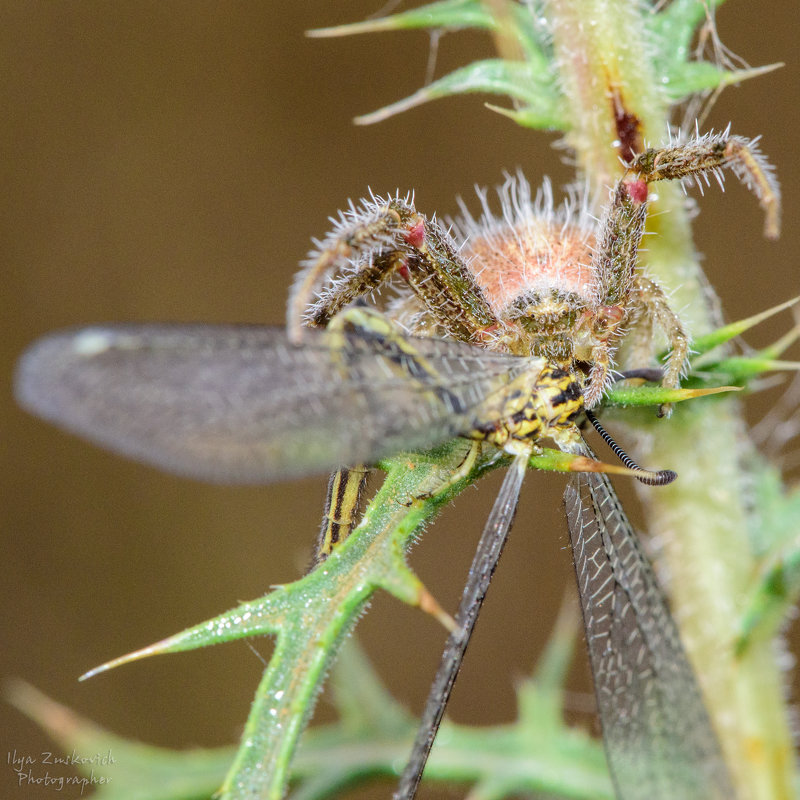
(658, 737)
(241, 404)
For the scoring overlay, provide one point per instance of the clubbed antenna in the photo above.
(660, 478)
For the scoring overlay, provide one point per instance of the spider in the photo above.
(559, 285)
(538, 281)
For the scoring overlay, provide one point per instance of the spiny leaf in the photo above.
(744, 368)
(371, 557)
(514, 79)
(700, 76)
(725, 333)
(514, 22)
(449, 14)
(626, 396)
(373, 736)
(537, 97)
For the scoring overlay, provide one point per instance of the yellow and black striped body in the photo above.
(535, 405)
(342, 506)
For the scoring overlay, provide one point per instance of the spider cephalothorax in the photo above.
(535, 280)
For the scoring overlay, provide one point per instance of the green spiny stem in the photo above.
(323, 607)
(611, 92)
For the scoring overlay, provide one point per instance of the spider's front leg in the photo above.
(372, 243)
(368, 246)
(627, 299)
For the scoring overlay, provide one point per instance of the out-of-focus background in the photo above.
(170, 161)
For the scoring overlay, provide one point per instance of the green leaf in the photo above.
(448, 15)
(725, 333)
(517, 80)
(626, 396)
(776, 586)
(699, 76)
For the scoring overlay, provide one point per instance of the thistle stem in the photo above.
(615, 105)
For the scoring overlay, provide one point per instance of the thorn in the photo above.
(430, 605)
(136, 655)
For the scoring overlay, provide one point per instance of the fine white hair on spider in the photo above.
(538, 278)
(533, 245)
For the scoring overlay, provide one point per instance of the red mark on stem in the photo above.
(628, 125)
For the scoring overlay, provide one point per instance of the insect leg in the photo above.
(490, 547)
(342, 506)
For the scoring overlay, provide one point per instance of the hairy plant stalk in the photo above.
(614, 103)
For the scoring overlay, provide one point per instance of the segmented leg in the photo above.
(711, 154)
(626, 298)
(651, 301)
(342, 509)
(614, 267)
(360, 253)
(375, 241)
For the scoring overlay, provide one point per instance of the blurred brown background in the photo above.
(169, 161)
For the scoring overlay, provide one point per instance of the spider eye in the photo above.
(534, 310)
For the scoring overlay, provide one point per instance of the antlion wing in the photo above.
(239, 404)
(659, 740)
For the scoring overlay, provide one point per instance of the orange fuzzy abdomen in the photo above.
(532, 259)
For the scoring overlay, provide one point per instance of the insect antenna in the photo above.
(649, 477)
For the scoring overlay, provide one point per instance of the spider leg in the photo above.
(360, 253)
(653, 306)
(710, 154)
(626, 299)
(375, 241)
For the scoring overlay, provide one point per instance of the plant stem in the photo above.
(614, 102)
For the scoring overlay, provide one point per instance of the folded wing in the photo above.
(241, 404)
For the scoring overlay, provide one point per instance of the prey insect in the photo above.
(245, 404)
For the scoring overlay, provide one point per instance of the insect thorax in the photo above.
(535, 405)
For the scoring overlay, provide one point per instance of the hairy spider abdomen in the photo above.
(533, 257)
